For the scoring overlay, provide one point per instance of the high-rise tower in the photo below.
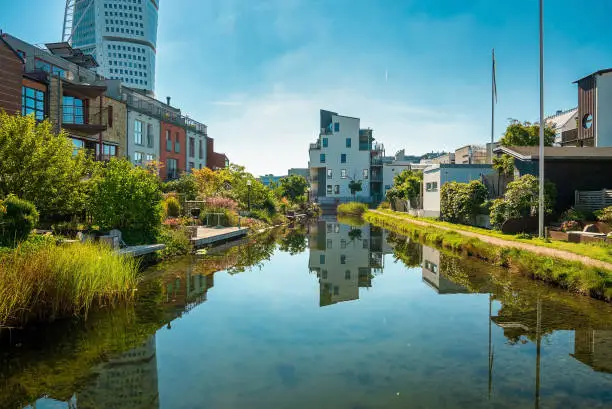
(120, 34)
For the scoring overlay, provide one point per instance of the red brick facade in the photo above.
(172, 150)
(214, 160)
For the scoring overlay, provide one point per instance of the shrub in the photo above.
(172, 207)
(176, 240)
(18, 220)
(352, 209)
(384, 205)
(604, 215)
(572, 214)
(218, 203)
(185, 185)
(128, 198)
(571, 225)
(43, 282)
(462, 202)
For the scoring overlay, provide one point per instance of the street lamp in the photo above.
(249, 194)
(542, 125)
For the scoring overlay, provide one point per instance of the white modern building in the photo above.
(344, 153)
(436, 175)
(196, 144)
(345, 258)
(120, 34)
(563, 121)
(392, 169)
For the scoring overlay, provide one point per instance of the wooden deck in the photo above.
(207, 236)
(142, 250)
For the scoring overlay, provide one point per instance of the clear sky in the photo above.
(417, 72)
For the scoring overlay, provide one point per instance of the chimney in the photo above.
(168, 101)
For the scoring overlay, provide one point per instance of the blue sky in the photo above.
(417, 72)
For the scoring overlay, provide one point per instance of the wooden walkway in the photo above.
(137, 251)
(207, 236)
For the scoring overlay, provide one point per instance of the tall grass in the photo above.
(570, 275)
(352, 209)
(45, 282)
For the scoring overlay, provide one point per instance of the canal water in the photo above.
(332, 315)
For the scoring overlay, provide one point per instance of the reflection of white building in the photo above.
(126, 381)
(345, 258)
(593, 347)
(433, 277)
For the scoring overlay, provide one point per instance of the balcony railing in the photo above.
(315, 146)
(86, 121)
(172, 174)
(196, 126)
(376, 161)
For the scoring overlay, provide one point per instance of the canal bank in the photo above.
(571, 271)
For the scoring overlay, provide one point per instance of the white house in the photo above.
(196, 144)
(436, 175)
(143, 137)
(341, 154)
(392, 169)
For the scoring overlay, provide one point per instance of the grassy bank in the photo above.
(572, 276)
(596, 251)
(42, 282)
(352, 209)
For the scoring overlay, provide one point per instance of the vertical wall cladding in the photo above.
(116, 132)
(11, 69)
(586, 107)
(173, 150)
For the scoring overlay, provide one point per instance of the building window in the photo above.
(201, 149)
(348, 142)
(337, 189)
(191, 166)
(342, 244)
(329, 243)
(138, 132)
(343, 259)
(336, 290)
(431, 187)
(73, 111)
(322, 157)
(172, 168)
(33, 102)
(177, 143)
(138, 158)
(324, 274)
(330, 228)
(366, 173)
(343, 173)
(191, 147)
(336, 127)
(150, 157)
(347, 275)
(329, 189)
(330, 173)
(343, 158)
(325, 142)
(149, 135)
(322, 259)
(168, 141)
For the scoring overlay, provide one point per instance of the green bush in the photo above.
(462, 202)
(575, 215)
(176, 240)
(352, 209)
(128, 198)
(185, 185)
(172, 207)
(17, 220)
(604, 215)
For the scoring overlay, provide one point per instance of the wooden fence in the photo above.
(593, 200)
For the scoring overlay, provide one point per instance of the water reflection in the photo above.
(243, 327)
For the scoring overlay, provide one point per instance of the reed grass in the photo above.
(570, 275)
(352, 209)
(45, 282)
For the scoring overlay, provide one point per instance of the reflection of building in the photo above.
(345, 259)
(186, 290)
(434, 277)
(127, 381)
(594, 348)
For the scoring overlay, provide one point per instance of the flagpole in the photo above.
(493, 92)
(542, 125)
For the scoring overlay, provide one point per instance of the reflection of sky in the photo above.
(262, 341)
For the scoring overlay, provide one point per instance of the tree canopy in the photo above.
(526, 134)
(407, 186)
(294, 188)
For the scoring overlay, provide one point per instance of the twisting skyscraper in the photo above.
(121, 34)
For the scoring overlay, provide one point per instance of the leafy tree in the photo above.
(128, 198)
(406, 186)
(209, 183)
(504, 165)
(526, 134)
(462, 202)
(185, 185)
(355, 186)
(17, 219)
(294, 241)
(294, 188)
(39, 166)
(522, 200)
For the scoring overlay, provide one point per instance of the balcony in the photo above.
(376, 177)
(327, 131)
(569, 137)
(85, 122)
(315, 146)
(376, 161)
(196, 126)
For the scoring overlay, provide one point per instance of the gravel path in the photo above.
(544, 251)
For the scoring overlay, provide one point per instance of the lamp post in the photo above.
(249, 193)
(542, 125)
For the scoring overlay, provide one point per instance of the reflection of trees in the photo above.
(406, 250)
(293, 241)
(354, 234)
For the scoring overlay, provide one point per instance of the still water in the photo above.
(326, 316)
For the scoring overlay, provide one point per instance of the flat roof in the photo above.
(604, 71)
(437, 166)
(556, 153)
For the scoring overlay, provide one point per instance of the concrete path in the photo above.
(543, 251)
(207, 235)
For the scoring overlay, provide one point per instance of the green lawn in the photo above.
(597, 251)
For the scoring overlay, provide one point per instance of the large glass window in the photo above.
(33, 102)
(191, 147)
(343, 173)
(168, 141)
(322, 157)
(325, 142)
(348, 142)
(150, 135)
(73, 111)
(138, 132)
(172, 168)
(343, 158)
(138, 158)
(330, 173)
(201, 149)
(336, 127)
(177, 143)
